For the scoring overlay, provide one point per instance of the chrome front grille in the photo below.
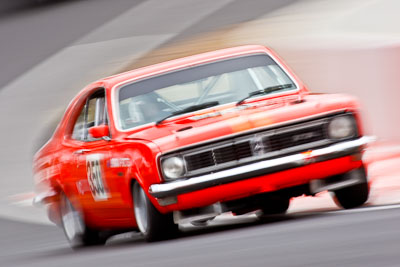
(233, 152)
(265, 144)
(200, 160)
(220, 155)
(295, 137)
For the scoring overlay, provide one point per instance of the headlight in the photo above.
(342, 127)
(173, 167)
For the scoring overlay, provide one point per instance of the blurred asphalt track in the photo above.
(53, 49)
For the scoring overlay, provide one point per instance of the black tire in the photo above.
(353, 196)
(153, 225)
(76, 231)
(275, 205)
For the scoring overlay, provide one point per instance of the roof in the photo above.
(182, 63)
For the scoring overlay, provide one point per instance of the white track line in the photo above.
(367, 209)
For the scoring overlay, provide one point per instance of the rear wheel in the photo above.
(75, 229)
(151, 223)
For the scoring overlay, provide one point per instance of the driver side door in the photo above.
(90, 157)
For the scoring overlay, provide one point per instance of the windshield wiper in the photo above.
(264, 91)
(189, 109)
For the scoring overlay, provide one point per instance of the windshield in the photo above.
(225, 81)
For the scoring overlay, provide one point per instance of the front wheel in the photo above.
(356, 195)
(274, 205)
(75, 230)
(151, 223)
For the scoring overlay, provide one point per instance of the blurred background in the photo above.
(50, 49)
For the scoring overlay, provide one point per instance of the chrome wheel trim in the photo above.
(140, 206)
(72, 223)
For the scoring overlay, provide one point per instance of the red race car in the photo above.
(232, 130)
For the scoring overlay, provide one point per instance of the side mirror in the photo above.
(100, 131)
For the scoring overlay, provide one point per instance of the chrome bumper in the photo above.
(259, 168)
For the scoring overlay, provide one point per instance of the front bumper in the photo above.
(259, 168)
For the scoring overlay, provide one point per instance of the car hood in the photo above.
(218, 123)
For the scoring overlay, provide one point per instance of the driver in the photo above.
(145, 109)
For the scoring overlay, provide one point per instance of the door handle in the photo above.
(81, 151)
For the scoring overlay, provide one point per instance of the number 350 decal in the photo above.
(95, 177)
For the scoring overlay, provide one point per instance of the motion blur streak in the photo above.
(334, 45)
(347, 46)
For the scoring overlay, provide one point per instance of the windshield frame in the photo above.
(116, 88)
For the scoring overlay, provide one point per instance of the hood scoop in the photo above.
(184, 129)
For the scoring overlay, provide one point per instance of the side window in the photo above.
(96, 114)
(79, 128)
(93, 113)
